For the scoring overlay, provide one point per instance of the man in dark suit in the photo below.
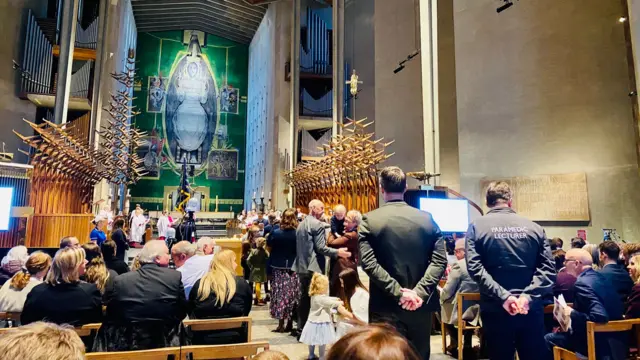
(614, 273)
(402, 251)
(144, 307)
(311, 249)
(510, 259)
(595, 300)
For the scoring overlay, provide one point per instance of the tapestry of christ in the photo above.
(191, 108)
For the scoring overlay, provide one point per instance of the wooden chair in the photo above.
(563, 354)
(219, 324)
(214, 352)
(154, 354)
(462, 325)
(592, 329)
(87, 329)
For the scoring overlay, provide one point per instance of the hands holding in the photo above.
(344, 253)
(515, 306)
(410, 300)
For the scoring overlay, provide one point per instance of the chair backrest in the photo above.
(215, 352)
(462, 297)
(87, 329)
(611, 326)
(563, 354)
(154, 354)
(219, 324)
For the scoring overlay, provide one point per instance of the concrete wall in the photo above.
(542, 89)
(13, 16)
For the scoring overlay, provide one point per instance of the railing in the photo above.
(315, 59)
(316, 107)
(37, 62)
(46, 230)
(81, 81)
(87, 38)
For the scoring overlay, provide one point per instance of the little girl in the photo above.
(257, 261)
(319, 329)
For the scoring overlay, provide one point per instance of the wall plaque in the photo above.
(561, 197)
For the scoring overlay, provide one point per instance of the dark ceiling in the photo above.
(235, 20)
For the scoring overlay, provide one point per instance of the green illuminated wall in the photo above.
(173, 92)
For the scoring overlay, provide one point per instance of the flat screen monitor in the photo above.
(6, 197)
(451, 215)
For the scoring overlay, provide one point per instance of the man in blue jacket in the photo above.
(614, 273)
(510, 259)
(595, 300)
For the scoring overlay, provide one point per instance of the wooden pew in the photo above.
(11, 317)
(154, 354)
(219, 324)
(214, 352)
(84, 330)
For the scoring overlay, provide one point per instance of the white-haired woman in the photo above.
(13, 263)
(350, 241)
(63, 298)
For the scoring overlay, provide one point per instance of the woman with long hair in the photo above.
(14, 293)
(96, 271)
(633, 302)
(355, 297)
(63, 298)
(221, 294)
(109, 250)
(285, 292)
(119, 236)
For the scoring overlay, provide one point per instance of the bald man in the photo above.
(595, 300)
(311, 250)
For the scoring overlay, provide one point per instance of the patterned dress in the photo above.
(285, 294)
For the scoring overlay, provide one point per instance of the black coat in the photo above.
(240, 305)
(283, 248)
(619, 278)
(75, 304)
(120, 238)
(144, 310)
(117, 265)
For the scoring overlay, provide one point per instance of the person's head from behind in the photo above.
(499, 195)
(171, 233)
(634, 268)
(254, 233)
(92, 252)
(270, 355)
(37, 266)
(559, 256)
(595, 254)
(272, 218)
(375, 342)
(556, 243)
(69, 241)
(15, 259)
(261, 242)
(609, 252)
(578, 243)
(67, 266)
(289, 220)
(118, 223)
(109, 249)
(220, 279)
(340, 211)
(181, 252)
(96, 271)
(319, 285)
(577, 260)
(40, 340)
(316, 208)
(205, 246)
(155, 252)
(459, 249)
(352, 220)
(349, 282)
(393, 183)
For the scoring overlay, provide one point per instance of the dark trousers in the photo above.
(556, 339)
(505, 334)
(453, 334)
(416, 329)
(305, 301)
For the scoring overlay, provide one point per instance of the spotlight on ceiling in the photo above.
(507, 4)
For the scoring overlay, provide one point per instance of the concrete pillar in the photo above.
(430, 105)
(65, 61)
(338, 65)
(101, 49)
(295, 88)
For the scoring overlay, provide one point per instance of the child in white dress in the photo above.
(319, 331)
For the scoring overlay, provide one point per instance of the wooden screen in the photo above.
(56, 193)
(46, 230)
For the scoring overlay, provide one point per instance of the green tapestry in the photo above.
(191, 91)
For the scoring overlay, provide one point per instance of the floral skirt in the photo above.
(285, 294)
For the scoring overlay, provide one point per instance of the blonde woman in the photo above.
(42, 340)
(63, 298)
(14, 293)
(221, 294)
(633, 302)
(96, 271)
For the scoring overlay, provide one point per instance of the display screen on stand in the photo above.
(451, 215)
(6, 197)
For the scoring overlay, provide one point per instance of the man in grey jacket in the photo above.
(402, 251)
(311, 249)
(510, 259)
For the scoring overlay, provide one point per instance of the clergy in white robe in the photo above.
(163, 224)
(138, 224)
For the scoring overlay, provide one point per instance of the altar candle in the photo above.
(262, 195)
(216, 202)
(254, 194)
(269, 194)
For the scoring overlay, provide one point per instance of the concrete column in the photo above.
(65, 61)
(295, 88)
(429, 62)
(338, 65)
(101, 49)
